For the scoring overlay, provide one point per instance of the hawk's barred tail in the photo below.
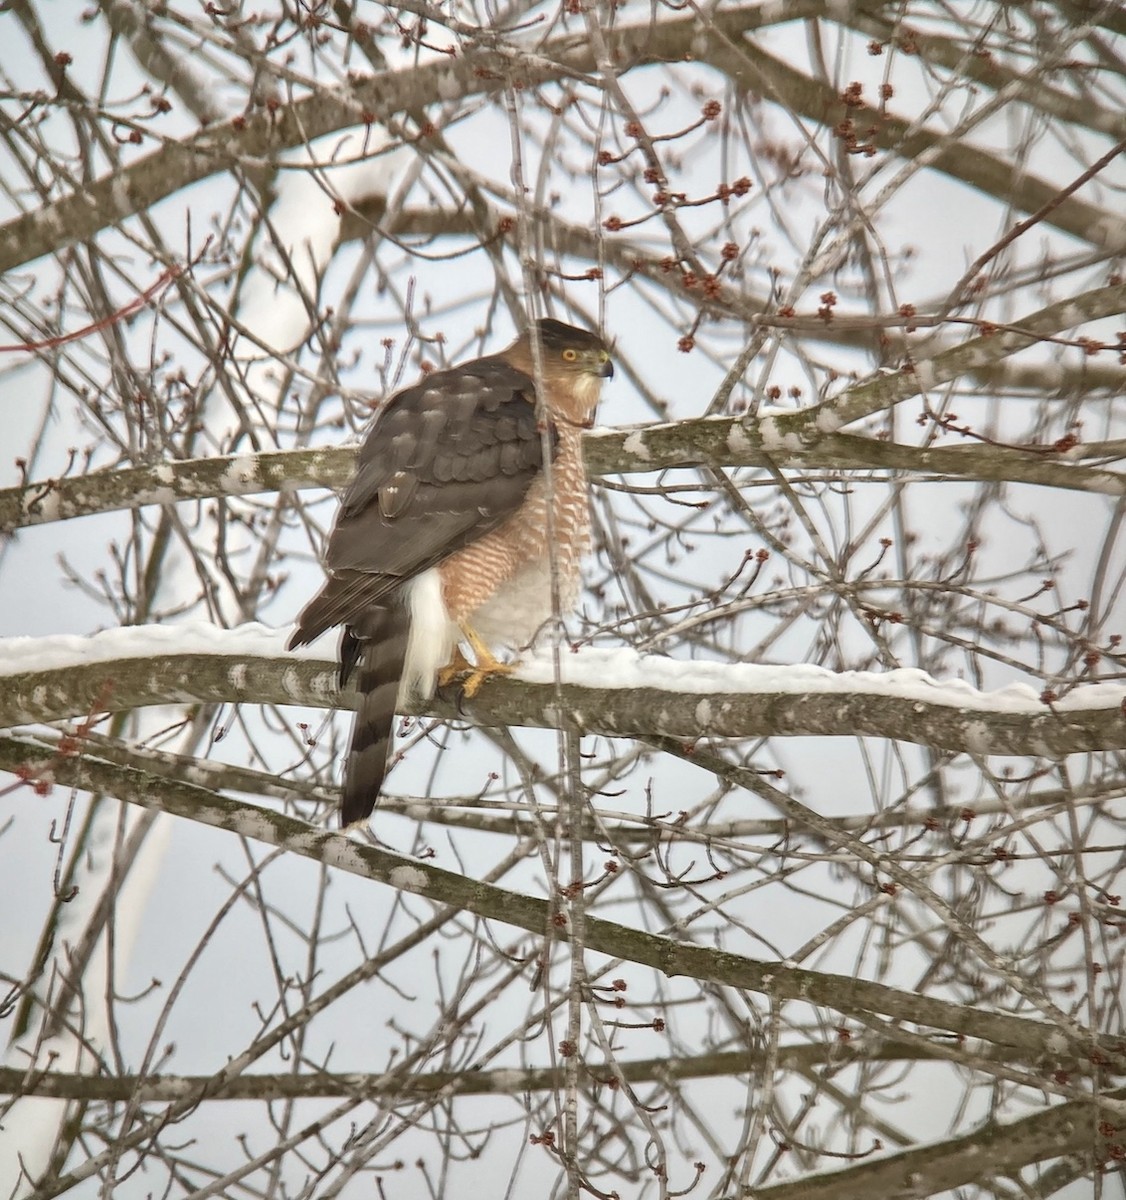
(378, 645)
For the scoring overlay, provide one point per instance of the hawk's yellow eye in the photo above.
(570, 355)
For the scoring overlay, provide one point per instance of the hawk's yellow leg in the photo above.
(473, 675)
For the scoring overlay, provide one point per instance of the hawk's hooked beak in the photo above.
(604, 366)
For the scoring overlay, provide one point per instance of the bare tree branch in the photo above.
(1006, 1146)
(166, 1089)
(535, 916)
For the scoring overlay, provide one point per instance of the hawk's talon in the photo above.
(483, 672)
(457, 666)
(485, 665)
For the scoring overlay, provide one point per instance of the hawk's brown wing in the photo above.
(446, 462)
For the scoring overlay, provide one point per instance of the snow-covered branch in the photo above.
(612, 692)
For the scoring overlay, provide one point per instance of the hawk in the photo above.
(451, 528)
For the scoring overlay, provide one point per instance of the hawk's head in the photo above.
(574, 363)
(570, 350)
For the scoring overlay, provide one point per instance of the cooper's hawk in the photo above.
(449, 529)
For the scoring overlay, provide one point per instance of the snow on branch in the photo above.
(612, 692)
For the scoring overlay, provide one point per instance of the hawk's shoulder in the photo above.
(464, 424)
